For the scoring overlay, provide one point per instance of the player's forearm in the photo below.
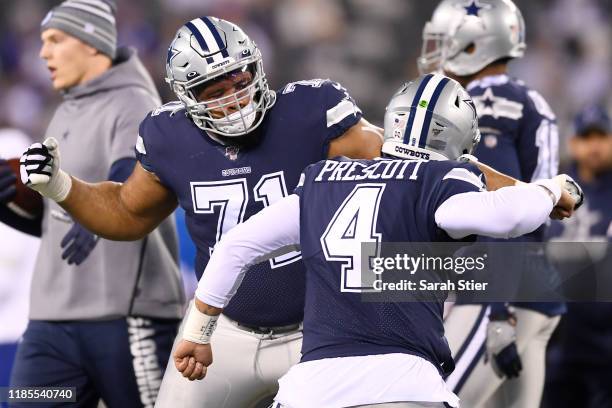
(207, 309)
(506, 213)
(103, 213)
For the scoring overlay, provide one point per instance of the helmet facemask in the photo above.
(230, 115)
(496, 30)
(432, 50)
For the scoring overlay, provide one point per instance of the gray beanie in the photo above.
(91, 21)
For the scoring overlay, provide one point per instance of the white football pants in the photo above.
(245, 370)
(474, 381)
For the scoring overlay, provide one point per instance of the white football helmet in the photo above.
(432, 117)
(207, 49)
(464, 36)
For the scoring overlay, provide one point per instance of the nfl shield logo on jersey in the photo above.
(490, 141)
(231, 152)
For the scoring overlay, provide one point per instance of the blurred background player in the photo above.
(360, 353)
(228, 148)
(102, 314)
(492, 344)
(580, 353)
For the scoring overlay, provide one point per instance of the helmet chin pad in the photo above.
(237, 123)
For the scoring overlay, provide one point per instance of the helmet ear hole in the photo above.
(470, 48)
(457, 101)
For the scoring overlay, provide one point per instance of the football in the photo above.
(27, 202)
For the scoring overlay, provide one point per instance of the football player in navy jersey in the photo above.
(228, 148)
(357, 353)
(473, 41)
(580, 356)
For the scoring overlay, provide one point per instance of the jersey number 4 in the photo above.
(230, 199)
(351, 237)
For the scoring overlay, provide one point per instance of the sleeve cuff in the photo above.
(552, 186)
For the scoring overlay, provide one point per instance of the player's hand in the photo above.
(501, 348)
(192, 359)
(40, 170)
(571, 199)
(7, 183)
(78, 244)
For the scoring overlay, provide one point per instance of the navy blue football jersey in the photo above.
(220, 186)
(519, 138)
(344, 203)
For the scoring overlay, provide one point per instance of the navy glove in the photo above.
(508, 361)
(501, 347)
(7, 182)
(78, 244)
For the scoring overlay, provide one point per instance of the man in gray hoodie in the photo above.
(103, 314)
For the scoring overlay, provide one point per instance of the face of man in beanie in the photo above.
(593, 150)
(70, 61)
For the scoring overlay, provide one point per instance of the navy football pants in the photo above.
(119, 361)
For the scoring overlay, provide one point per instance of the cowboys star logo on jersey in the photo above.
(497, 106)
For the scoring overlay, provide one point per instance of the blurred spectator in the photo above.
(580, 355)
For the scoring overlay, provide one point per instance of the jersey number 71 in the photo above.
(230, 198)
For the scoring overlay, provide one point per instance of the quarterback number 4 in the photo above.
(354, 224)
(230, 198)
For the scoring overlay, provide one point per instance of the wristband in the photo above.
(199, 326)
(59, 187)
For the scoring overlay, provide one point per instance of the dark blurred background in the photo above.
(369, 46)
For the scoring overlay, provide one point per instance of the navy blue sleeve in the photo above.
(121, 169)
(145, 134)
(449, 179)
(341, 110)
(461, 178)
(538, 139)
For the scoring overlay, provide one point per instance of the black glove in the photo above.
(7, 183)
(79, 243)
(501, 347)
(508, 361)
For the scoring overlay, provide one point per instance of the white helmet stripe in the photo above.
(208, 36)
(420, 111)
